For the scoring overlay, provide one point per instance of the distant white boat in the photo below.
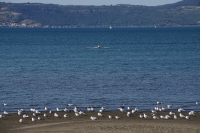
(110, 27)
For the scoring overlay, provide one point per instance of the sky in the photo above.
(97, 2)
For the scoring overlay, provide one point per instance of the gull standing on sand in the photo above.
(39, 118)
(55, 115)
(129, 114)
(25, 116)
(2, 116)
(110, 117)
(5, 113)
(21, 120)
(99, 114)
(33, 119)
(175, 117)
(117, 117)
(93, 118)
(45, 115)
(66, 116)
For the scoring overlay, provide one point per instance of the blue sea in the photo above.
(133, 66)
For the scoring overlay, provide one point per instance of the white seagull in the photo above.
(45, 115)
(159, 102)
(33, 119)
(117, 117)
(55, 115)
(93, 118)
(66, 116)
(5, 112)
(39, 118)
(2, 116)
(45, 108)
(21, 120)
(25, 116)
(99, 114)
(110, 117)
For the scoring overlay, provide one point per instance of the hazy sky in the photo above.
(97, 2)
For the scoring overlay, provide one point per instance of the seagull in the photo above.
(66, 116)
(5, 104)
(155, 117)
(169, 106)
(45, 115)
(171, 113)
(37, 112)
(58, 109)
(2, 116)
(180, 110)
(145, 116)
(103, 109)
(93, 118)
(19, 112)
(181, 115)
(121, 109)
(90, 109)
(33, 119)
(191, 113)
(141, 116)
(129, 114)
(162, 117)
(77, 114)
(25, 116)
(21, 120)
(75, 109)
(159, 102)
(45, 108)
(110, 117)
(99, 114)
(66, 110)
(81, 112)
(5, 112)
(39, 118)
(117, 117)
(34, 114)
(153, 111)
(70, 104)
(187, 117)
(55, 114)
(197, 103)
(175, 117)
(167, 117)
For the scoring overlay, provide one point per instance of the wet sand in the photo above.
(83, 124)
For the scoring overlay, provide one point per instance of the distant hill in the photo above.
(183, 3)
(183, 13)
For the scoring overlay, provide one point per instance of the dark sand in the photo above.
(83, 124)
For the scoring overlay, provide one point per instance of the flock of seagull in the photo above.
(154, 113)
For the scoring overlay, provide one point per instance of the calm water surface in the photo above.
(136, 67)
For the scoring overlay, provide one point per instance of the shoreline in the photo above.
(83, 123)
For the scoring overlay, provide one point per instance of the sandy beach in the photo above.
(83, 123)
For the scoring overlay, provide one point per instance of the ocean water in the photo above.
(136, 67)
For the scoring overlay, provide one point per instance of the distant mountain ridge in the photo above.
(183, 13)
(184, 3)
